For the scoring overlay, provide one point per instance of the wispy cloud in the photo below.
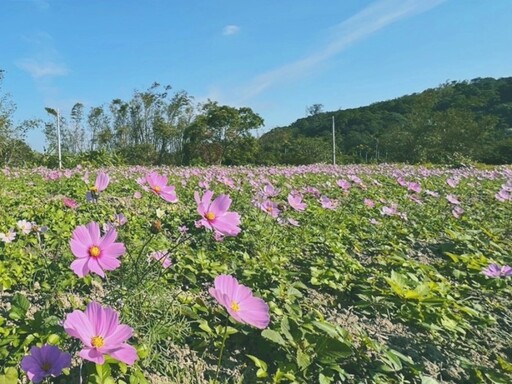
(40, 69)
(44, 61)
(41, 4)
(229, 30)
(368, 21)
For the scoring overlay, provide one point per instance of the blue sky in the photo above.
(277, 57)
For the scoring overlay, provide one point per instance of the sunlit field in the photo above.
(314, 274)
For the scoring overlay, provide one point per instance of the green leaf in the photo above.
(20, 306)
(10, 377)
(273, 336)
(261, 365)
(303, 359)
(428, 380)
(327, 328)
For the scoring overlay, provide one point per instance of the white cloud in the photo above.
(40, 69)
(368, 21)
(229, 30)
(44, 60)
(41, 4)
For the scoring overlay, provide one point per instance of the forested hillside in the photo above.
(468, 119)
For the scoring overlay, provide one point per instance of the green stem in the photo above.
(221, 350)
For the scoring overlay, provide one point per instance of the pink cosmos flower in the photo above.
(101, 183)
(457, 211)
(240, 303)
(270, 191)
(215, 215)
(24, 226)
(8, 236)
(99, 329)
(452, 182)
(453, 199)
(328, 203)
(295, 201)
(270, 207)
(46, 361)
(503, 195)
(95, 253)
(162, 257)
(158, 185)
(369, 203)
(414, 187)
(494, 270)
(70, 203)
(344, 184)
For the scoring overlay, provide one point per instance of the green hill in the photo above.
(468, 119)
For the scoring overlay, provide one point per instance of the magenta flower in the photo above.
(240, 303)
(328, 203)
(99, 329)
(162, 257)
(414, 187)
(101, 183)
(344, 184)
(453, 199)
(70, 203)
(270, 191)
(95, 254)
(46, 361)
(457, 211)
(495, 271)
(215, 214)
(270, 207)
(158, 185)
(8, 236)
(295, 201)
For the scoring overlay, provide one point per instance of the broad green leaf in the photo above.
(273, 336)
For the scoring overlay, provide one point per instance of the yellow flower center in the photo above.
(270, 209)
(46, 367)
(157, 189)
(94, 189)
(97, 341)
(234, 306)
(94, 251)
(210, 216)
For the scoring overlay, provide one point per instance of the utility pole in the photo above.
(333, 143)
(58, 138)
(56, 113)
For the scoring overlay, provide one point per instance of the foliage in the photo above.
(357, 293)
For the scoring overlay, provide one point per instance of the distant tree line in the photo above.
(458, 120)
(468, 119)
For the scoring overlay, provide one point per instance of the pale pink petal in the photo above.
(78, 325)
(81, 234)
(92, 354)
(125, 353)
(114, 250)
(119, 336)
(80, 266)
(220, 205)
(109, 263)
(78, 248)
(94, 266)
(108, 239)
(94, 232)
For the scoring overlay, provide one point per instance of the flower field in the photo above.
(317, 274)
